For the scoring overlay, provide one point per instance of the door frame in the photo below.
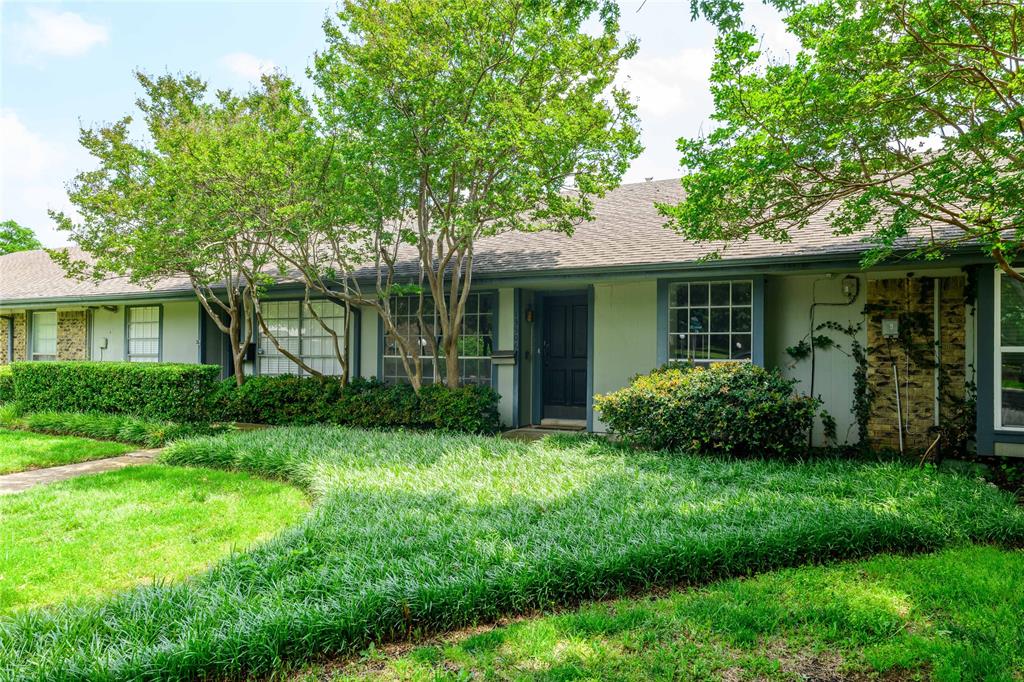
(537, 384)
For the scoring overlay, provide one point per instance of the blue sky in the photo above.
(68, 64)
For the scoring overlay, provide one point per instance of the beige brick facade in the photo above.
(19, 339)
(911, 301)
(72, 335)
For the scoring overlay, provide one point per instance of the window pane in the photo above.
(677, 345)
(719, 319)
(741, 346)
(144, 334)
(679, 295)
(1011, 314)
(720, 293)
(741, 294)
(698, 320)
(741, 319)
(699, 346)
(699, 294)
(719, 349)
(44, 335)
(1012, 387)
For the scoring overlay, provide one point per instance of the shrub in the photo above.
(119, 427)
(277, 400)
(6, 384)
(175, 392)
(728, 408)
(469, 409)
(370, 404)
(365, 403)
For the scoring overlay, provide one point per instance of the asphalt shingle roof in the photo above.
(627, 232)
(29, 275)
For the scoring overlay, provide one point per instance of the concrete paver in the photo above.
(22, 480)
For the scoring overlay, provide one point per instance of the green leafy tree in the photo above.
(198, 198)
(15, 237)
(899, 119)
(463, 119)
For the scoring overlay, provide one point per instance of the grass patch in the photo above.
(150, 433)
(88, 537)
(21, 451)
(953, 615)
(418, 533)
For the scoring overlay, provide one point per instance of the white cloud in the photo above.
(247, 65)
(669, 85)
(52, 33)
(33, 171)
(25, 154)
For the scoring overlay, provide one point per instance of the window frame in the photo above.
(30, 324)
(998, 349)
(491, 373)
(159, 331)
(666, 307)
(303, 317)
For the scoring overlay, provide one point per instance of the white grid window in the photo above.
(476, 343)
(298, 331)
(710, 321)
(144, 334)
(44, 335)
(1009, 363)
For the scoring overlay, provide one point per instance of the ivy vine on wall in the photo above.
(862, 394)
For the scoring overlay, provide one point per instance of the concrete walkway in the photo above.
(15, 483)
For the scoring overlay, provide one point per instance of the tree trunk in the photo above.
(451, 359)
(239, 368)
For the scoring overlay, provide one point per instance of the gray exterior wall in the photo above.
(625, 334)
(180, 326)
(106, 336)
(788, 302)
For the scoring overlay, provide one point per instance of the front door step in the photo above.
(564, 424)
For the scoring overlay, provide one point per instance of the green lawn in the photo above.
(953, 615)
(22, 450)
(95, 535)
(418, 533)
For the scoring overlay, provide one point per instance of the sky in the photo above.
(65, 65)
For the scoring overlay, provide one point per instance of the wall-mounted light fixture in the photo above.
(851, 287)
(529, 314)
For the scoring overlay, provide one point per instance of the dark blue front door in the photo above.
(564, 359)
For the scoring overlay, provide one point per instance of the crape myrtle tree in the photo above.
(15, 237)
(899, 119)
(196, 198)
(465, 119)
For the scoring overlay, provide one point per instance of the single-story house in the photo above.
(555, 319)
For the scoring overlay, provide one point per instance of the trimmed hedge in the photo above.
(165, 391)
(728, 408)
(291, 400)
(6, 384)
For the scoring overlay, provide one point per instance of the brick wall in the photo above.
(19, 339)
(911, 301)
(71, 335)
